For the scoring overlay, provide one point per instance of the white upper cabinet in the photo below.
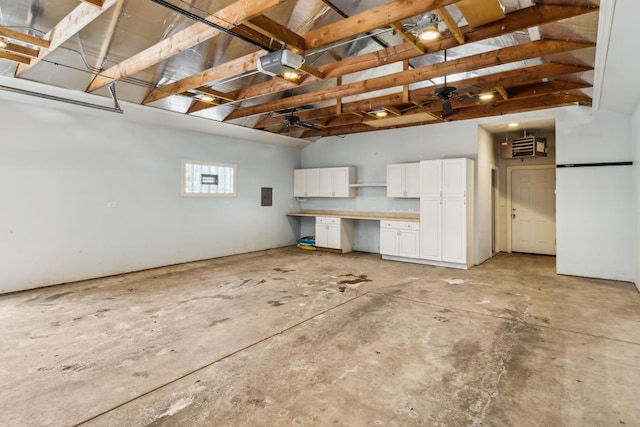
(306, 182)
(403, 180)
(454, 177)
(324, 182)
(431, 178)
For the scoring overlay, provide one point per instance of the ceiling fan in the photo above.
(446, 93)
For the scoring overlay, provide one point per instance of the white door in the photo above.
(430, 229)
(533, 211)
(322, 235)
(299, 183)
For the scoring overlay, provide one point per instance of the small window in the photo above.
(208, 179)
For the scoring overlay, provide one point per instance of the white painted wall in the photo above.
(636, 192)
(594, 205)
(486, 158)
(61, 164)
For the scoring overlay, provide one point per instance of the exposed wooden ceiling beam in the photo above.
(81, 16)
(26, 38)
(533, 73)
(511, 78)
(483, 60)
(470, 112)
(543, 88)
(22, 50)
(517, 105)
(377, 17)
(272, 29)
(224, 70)
(408, 37)
(515, 21)
(15, 58)
(451, 24)
(98, 3)
(536, 15)
(503, 92)
(229, 17)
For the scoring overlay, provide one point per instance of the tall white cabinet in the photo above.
(446, 212)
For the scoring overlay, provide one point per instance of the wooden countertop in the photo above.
(375, 216)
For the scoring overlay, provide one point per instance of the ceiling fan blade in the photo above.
(468, 99)
(464, 90)
(446, 107)
(308, 125)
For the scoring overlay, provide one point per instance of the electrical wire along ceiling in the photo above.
(310, 68)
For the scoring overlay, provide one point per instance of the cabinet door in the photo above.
(454, 230)
(326, 182)
(340, 182)
(388, 241)
(395, 180)
(306, 183)
(299, 183)
(313, 182)
(412, 180)
(454, 177)
(409, 243)
(431, 178)
(431, 229)
(333, 237)
(322, 235)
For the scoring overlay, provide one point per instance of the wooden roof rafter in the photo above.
(514, 21)
(81, 16)
(229, 17)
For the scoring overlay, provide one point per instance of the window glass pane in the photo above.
(208, 179)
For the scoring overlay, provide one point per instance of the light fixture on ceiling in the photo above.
(291, 75)
(3, 43)
(427, 27)
(486, 96)
(513, 125)
(380, 112)
(207, 98)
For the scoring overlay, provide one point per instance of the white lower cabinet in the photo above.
(400, 238)
(334, 233)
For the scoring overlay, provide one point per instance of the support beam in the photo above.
(70, 25)
(272, 29)
(487, 59)
(15, 58)
(503, 92)
(26, 38)
(227, 69)
(451, 24)
(98, 3)
(378, 17)
(22, 50)
(408, 37)
(229, 17)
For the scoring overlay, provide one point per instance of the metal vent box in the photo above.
(528, 146)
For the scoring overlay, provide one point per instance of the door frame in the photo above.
(495, 206)
(510, 169)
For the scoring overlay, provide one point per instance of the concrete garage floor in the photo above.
(292, 337)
